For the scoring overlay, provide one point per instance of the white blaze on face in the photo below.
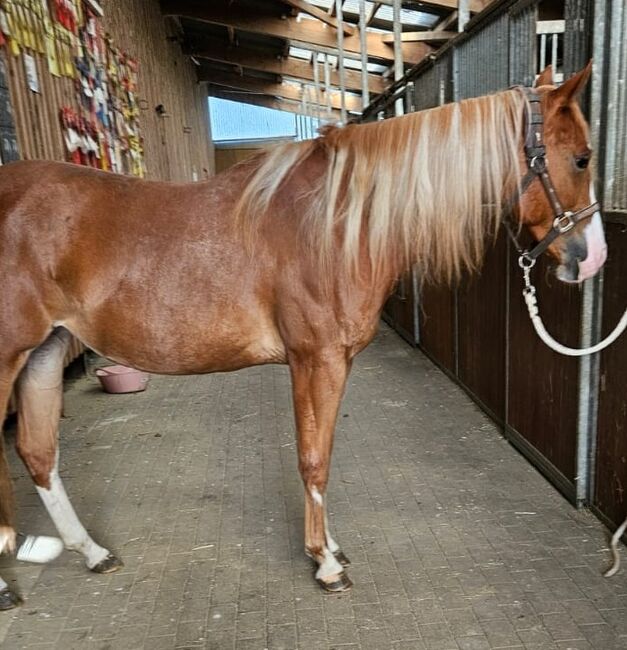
(595, 243)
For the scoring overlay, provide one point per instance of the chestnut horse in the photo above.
(287, 258)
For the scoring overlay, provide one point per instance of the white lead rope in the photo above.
(529, 294)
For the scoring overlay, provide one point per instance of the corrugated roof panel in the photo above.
(409, 17)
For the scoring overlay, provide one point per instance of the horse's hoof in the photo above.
(110, 564)
(343, 583)
(8, 600)
(341, 558)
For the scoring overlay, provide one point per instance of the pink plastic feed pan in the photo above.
(121, 379)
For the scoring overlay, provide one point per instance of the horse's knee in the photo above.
(314, 472)
(39, 458)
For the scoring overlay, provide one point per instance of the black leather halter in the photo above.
(535, 154)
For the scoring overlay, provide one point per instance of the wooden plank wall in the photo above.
(177, 147)
(611, 462)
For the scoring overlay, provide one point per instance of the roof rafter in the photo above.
(475, 5)
(290, 67)
(421, 37)
(306, 33)
(320, 14)
(264, 87)
(263, 100)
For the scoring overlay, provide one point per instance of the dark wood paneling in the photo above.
(481, 307)
(543, 385)
(611, 467)
(399, 309)
(437, 324)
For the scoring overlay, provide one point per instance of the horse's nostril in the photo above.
(577, 249)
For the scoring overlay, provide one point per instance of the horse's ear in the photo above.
(545, 78)
(571, 88)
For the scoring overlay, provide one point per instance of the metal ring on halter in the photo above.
(564, 222)
(538, 164)
(526, 262)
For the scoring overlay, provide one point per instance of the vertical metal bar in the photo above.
(398, 52)
(591, 314)
(542, 52)
(616, 99)
(340, 58)
(327, 85)
(316, 72)
(463, 14)
(303, 110)
(585, 396)
(363, 50)
(554, 53)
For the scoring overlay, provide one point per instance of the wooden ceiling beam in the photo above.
(290, 67)
(445, 23)
(320, 14)
(304, 33)
(421, 37)
(475, 5)
(263, 87)
(263, 100)
(373, 12)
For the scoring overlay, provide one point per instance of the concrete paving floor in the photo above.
(456, 541)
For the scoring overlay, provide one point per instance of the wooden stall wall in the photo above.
(543, 388)
(481, 313)
(611, 463)
(177, 145)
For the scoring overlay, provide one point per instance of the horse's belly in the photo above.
(184, 349)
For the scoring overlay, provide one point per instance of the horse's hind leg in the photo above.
(40, 395)
(318, 384)
(10, 367)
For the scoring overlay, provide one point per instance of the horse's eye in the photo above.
(582, 161)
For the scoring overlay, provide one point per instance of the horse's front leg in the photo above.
(318, 382)
(39, 397)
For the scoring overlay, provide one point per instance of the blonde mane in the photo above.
(425, 188)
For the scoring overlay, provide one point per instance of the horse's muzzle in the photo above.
(583, 253)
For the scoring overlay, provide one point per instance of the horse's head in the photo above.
(576, 240)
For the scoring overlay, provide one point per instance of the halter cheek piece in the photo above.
(535, 154)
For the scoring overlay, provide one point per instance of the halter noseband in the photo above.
(535, 154)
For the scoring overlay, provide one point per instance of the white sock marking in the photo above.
(72, 532)
(329, 565)
(332, 545)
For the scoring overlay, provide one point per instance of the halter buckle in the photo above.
(564, 222)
